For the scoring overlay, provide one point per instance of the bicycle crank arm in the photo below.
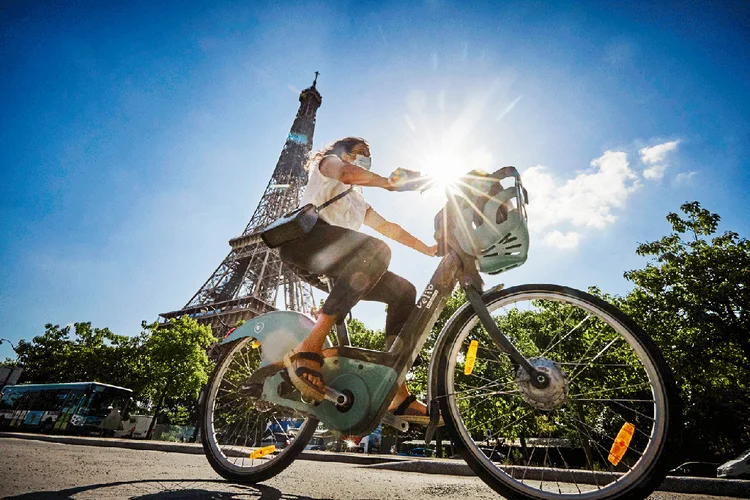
(397, 423)
(336, 397)
(538, 379)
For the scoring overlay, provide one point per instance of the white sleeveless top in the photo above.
(348, 212)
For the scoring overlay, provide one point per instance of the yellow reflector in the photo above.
(262, 452)
(621, 444)
(471, 357)
(255, 344)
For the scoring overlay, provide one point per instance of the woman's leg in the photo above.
(401, 296)
(356, 262)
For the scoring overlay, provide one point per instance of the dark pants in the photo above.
(358, 265)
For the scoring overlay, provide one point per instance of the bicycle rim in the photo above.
(558, 442)
(237, 424)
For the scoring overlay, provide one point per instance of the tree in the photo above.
(176, 362)
(90, 354)
(693, 297)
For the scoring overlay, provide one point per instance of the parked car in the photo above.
(135, 427)
(316, 444)
(695, 469)
(417, 452)
(278, 439)
(739, 468)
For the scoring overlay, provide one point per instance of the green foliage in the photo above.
(365, 338)
(89, 354)
(693, 298)
(165, 363)
(175, 354)
(418, 377)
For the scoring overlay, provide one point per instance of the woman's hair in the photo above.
(345, 145)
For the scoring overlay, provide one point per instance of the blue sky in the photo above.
(136, 139)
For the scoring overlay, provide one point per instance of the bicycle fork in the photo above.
(538, 379)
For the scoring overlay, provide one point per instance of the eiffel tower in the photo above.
(248, 282)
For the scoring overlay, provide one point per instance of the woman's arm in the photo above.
(334, 167)
(397, 233)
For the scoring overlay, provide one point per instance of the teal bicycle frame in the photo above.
(368, 378)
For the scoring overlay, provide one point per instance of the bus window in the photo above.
(45, 401)
(100, 404)
(9, 401)
(59, 400)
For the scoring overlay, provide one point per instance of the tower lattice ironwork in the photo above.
(252, 280)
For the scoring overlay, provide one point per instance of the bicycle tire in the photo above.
(648, 470)
(221, 455)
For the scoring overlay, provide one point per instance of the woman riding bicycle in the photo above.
(355, 262)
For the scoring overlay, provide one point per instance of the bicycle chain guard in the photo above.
(367, 383)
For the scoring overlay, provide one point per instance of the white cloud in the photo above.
(654, 158)
(583, 202)
(656, 154)
(654, 172)
(684, 177)
(562, 240)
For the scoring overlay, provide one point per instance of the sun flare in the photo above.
(444, 168)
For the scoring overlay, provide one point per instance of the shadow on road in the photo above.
(147, 489)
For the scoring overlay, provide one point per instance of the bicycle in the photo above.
(571, 396)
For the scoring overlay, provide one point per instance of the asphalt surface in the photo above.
(38, 470)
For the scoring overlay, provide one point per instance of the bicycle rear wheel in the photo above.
(607, 380)
(236, 423)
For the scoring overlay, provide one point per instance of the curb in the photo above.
(692, 485)
(133, 444)
(195, 448)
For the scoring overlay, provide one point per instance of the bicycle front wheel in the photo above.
(600, 429)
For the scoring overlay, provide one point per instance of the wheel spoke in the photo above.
(236, 426)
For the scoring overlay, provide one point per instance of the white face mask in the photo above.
(362, 162)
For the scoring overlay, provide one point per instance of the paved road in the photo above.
(36, 470)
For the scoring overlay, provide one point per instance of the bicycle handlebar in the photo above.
(403, 179)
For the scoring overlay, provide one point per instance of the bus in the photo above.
(75, 408)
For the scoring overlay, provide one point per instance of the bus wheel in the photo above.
(47, 426)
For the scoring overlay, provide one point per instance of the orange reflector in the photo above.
(621, 444)
(471, 357)
(255, 344)
(262, 452)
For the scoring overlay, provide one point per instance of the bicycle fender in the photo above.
(278, 332)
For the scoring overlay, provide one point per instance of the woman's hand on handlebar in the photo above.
(403, 179)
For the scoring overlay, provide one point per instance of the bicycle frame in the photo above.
(370, 377)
